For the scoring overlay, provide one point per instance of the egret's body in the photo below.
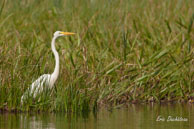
(37, 86)
(46, 81)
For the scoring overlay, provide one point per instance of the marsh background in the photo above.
(125, 51)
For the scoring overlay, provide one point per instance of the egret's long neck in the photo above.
(55, 74)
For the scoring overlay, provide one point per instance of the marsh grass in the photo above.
(125, 51)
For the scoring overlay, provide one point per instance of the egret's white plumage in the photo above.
(46, 81)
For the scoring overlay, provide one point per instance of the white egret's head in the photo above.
(61, 33)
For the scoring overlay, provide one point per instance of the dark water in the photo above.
(169, 116)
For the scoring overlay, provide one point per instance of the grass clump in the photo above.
(124, 51)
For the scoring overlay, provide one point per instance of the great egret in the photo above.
(47, 80)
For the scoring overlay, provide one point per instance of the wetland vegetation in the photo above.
(125, 51)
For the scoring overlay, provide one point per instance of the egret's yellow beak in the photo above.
(67, 33)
